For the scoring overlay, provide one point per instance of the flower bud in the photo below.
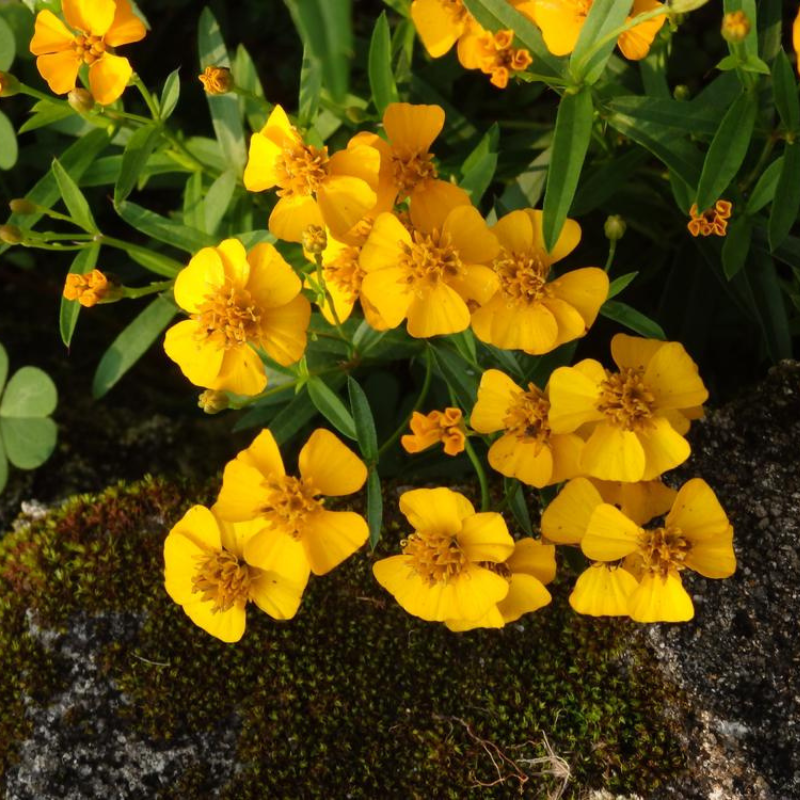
(682, 92)
(216, 80)
(20, 205)
(9, 85)
(212, 401)
(735, 27)
(92, 288)
(615, 228)
(11, 234)
(315, 240)
(81, 101)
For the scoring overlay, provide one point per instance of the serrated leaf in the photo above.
(374, 507)
(632, 319)
(138, 150)
(84, 262)
(163, 229)
(328, 404)
(786, 203)
(28, 442)
(30, 393)
(74, 199)
(381, 76)
(366, 435)
(170, 94)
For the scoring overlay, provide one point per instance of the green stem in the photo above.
(612, 250)
(142, 291)
(331, 305)
(480, 472)
(148, 98)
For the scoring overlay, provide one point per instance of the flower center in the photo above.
(526, 417)
(345, 273)
(301, 169)
(626, 400)
(223, 580)
(664, 549)
(430, 258)
(288, 503)
(89, 48)
(230, 316)
(523, 276)
(435, 557)
(411, 169)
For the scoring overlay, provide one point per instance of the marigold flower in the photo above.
(95, 29)
(528, 450)
(527, 570)
(735, 26)
(429, 274)
(447, 571)
(530, 312)
(206, 572)
(90, 289)
(314, 188)
(561, 22)
(713, 221)
(289, 511)
(440, 23)
(637, 416)
(438, 426)
(493, 54)
(238, 302)
(216, 80)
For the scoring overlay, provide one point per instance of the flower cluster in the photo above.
(712, 221)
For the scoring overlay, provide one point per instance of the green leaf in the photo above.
(728, 150)
(764, 190)
(131, 345)
(458, 375)
(30, 393)
(527, 188)
(519, 508)
(692, 118)
(73, 198)
(163, 229)
(9, 150)
(224, 108)
(605, 181)
(84, 262)
(170, 94)
(3, 466)
(570, 143)
(381, 77)
(784, 86)
(768, 299)
(8, 45)
(193, 215)
(28, 442)
(374, 507)
(331, 407)
(619, 284)
(156, 262)
(588, 59)
(218, 199)
(310, 88)
(138, 150)
(366, 434)
(632, 319)
(736, 247)
(3, 367)
(786, 204)
(48, 114)
(291, 419)
(480, 165)
(246, 76)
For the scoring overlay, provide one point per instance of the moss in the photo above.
(351, 698)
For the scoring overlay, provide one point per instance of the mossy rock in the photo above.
(107, 684)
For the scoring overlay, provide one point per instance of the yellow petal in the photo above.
(525, 594)
(235, 535)
(476, 283)
(384, 247)
(51, 35)
(332, 467)
(329, 537)
(343, 201)
(275, 551)
(202, 276)
(566, 518)
(514, 231)
(485, 537)
(566, 448)
(495, 395)
(439, 311)
(467, 229)
(412, 128)
(679, 421)
(201, 526)
(89, 16)
(60, 70)
(614, 454)
(108, 77)
(436, 26)
(180, 566)
(635, 43)
(263, 157)
(610, 535)
(243, 495)
(527, 461)
(227, 626)
(199, 358)
(698, 513)
(660, 599)
(603, 591)
(560, 24)
(673, 378)
(664, 449)
(584, 289)
(283, 330)
(568, 239)
(357, 161)
(472, 593)
(531, 557)
(264, 455)
(272, 281)
(126, 27)
(292, 215)
(241, 372)
(645, 500)
(491, 619)
(569, 323)
(634, 352)
(531, 328)
(573, 398)
(234, 261)
(713, 558)
(433, 200)
(390, 294)
(436, 510)
(277, 595)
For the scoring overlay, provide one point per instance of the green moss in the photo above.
(351, 698)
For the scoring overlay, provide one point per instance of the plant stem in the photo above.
(134, 293)
(480, 472)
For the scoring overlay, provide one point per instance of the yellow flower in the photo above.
(289, 511)
(216, 80)
(527, 570)
(561, 22)
(493, 54)
(528, 450)
(530, 312)
(437, 426)
(237, 302)
(637, 416)
(440, 23)
(429, 275)
(206, 572)
(314, 188)
(447, 571)
(90, 289)
(796, 37)
(96, 28)
(711, 221)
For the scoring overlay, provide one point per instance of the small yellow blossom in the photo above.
(528, 450)
(493, 54)
(238, 302)
(636, 418)
(438, 426)
(713, 221)
(206, 572)
(440, 23)
(448, 569)
(212, 401)
(89, 289)
(95, 30)
(289, 512)
(530, 311)
(216, 80)
(735, 27)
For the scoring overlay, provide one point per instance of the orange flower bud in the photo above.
(216, 80)
(91, 288)
(735, 27)
(439, 426)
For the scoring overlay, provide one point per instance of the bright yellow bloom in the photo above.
(438, 426)
(314, 188)
(429, 275)
(447, 571)
(637, 416)
(530, 312)
(206, 572)
(712, 220)
(796, 38)
(440, 23)
(528, 450)
(527, 570)
(238, 302)
(561, 22)
(90, 289)
(493, 54)
(289, 511)
(216, 80)
(96, 28)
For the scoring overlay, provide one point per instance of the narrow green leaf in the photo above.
(246, 74)
(480, 165)
(764, 190)
(588, 60)
(619, 284)
(728, 150)
(9, 149)
(786, 204)
(331, 407)
(163, 229)
(156, 262)
(770, 304)
(138, 150)
(193, 213)
(28, 442)
(84, 262)
(8, 45)
(687, 118)
(3, 368)
(458, 375)
(381, 77)
(570, 144)
(374, 507)
(310, 88)
(76, 203)
(218, 199)
(605, 181)
(286, 423)
(49, 114)
(632, 319)
(527, 188)
(736, 246)
(784, 86)
(131, 344)
(515, 491)
(170, 94)
(30, 393)
(366, 434)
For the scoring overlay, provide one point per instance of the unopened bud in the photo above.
(681, 92)
(9, 85)
(735, 27)
(22, 206)
(315, 240)
(212, 401)
(11, 234)
(615, 228)
(92, 288)
(81, 100)
(216, 80)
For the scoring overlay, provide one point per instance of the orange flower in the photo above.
(438, 426)
(713, 221)
(89, 289)
(493, 55)
(216, 80)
